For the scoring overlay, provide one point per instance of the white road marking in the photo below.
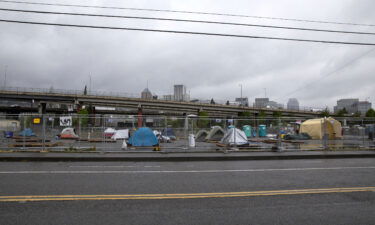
(176, 171)
(103, 166)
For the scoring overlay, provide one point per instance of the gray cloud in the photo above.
(211, 67)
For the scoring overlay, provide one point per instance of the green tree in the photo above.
(243, 119)
(325, 113)
(227, 103)
(85, 90)
(203, 120)
(370, 113)
(357, 114)
(342, 112)
(84, 115)
(212, 101)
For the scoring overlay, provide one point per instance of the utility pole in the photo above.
(241, 94)
(5, 77)
(90, 84)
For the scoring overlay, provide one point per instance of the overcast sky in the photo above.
(210, 67)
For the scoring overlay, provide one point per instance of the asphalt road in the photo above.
(225, 192)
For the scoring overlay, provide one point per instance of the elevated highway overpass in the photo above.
(127, 105)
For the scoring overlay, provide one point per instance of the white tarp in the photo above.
(109, 130)
(234, 136)
(121, 134)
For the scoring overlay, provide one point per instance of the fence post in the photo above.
(43, 132)
(325, 135)
(24, 127)
(279, 143)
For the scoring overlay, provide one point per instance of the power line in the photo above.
(184, 20)
(188, 32)
(330, 73)
(187, 12)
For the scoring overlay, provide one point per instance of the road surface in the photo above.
(225, 192)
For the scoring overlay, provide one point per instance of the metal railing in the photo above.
(90, 133)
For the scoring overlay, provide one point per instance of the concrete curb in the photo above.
(171, 157)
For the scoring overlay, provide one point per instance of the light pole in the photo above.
(90, 84)
(241, 94)
(5, 77)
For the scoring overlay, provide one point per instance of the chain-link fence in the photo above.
(105, 133)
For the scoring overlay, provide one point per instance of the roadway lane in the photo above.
(127, 178)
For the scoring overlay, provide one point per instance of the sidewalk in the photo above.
(182, 156)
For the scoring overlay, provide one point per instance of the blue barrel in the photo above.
(262, 131)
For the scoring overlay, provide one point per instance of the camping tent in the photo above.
(120, 134)
(27, 132)
(201, 135)
(215, 134)
(109, 132)
(143, 137)
(68, 133)
(234, 136)
(317, 127)
(168, 132)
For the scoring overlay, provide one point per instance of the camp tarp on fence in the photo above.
(316, 128)
(121, 134)
(201, 135)
(215, 134)
(143, 137)
(234, 136)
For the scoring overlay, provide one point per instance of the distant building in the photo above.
(146, 94)
(274, 105)
(179, 93)
(243, 101)
(352, 105)
(261, 102)
(363, 107)
(168, 97)
(293, 104)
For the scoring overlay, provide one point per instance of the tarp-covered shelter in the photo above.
(68, 133)
(234, 136)
(27, 132)
(168, 132)
(109, 132)
(215, 134)
(201, 135)
(143, 137)
(121, 134)
(317, 127)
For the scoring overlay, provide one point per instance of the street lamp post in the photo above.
(241, 94)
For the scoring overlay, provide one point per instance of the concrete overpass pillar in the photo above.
(42, 108)
(140, 119)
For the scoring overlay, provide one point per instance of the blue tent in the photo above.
(143, 137)
(27, 133)
(168, 132)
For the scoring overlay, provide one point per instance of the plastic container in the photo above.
(191, 141)
(262, 131)
(248, 131)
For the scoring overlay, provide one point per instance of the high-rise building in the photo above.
(179, 93)
(261, 102)
(146, 94)
(363, 107)
(244, 101)
(353, 105)
(293, 104)
(350, 105)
